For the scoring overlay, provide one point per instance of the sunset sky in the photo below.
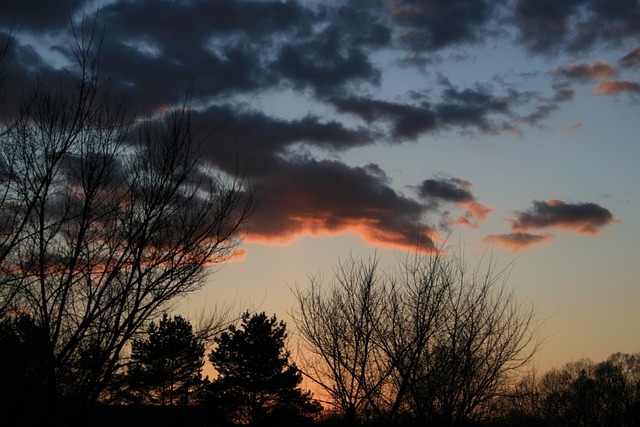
(508, 127)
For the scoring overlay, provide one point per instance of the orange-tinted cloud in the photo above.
(617, 87)
(573, 127)
(518, 241)
(584, 218)
(458, 192)
(582, 72)
(237, 255)
(304, 196)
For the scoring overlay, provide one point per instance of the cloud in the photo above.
(631, 60)
(332, 54)
(584, 218)
(436, 24)
(572, 127)
(458, 192)
(320, 64)
(544, 106)
(264, 136)
(406, 121)
(600, 70)
(237, 255)
(40, 15)
(518, 241)
(618, 87)
(304, 196)
(549, 27)
(476, 108)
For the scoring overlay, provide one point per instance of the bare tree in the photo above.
(424, 339)
(105, 222)
(483, 336)
(584, 393)
(339, 326)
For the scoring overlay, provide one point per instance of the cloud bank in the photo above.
(232, 54)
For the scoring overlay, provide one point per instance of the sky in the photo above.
(508, 128)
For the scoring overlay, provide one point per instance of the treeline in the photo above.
(257, 384)
(161, 381)
(581, 393)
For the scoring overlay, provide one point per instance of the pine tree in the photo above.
(167, 362)
(257, 383)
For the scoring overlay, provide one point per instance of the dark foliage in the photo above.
(22, 364)
(166, 363)
(581, 393)
(257, 384)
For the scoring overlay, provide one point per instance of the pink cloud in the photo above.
(573, 127)
(582, 72)
(516, 242)
(618, 87)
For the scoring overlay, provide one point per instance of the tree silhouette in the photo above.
(339, 327)
(167, 362)
(257, 384)
(22, 365)
(427, 340)
(105, 221)
(584, 393)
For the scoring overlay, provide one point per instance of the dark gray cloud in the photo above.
(301, 195)
(154, 51)
(582, 218)
(541, 107)
(38, 15)
(449, 189)
(406, 121)
(631, 60)
(477, 108)
(172, 23)
(323, 65)
(586, 218)
(583, 73)
(549, 26)
(259, 138)
(431, 25)
(456, 191)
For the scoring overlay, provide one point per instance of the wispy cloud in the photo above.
(516, 242)
(631, 60)
(600, 70)
(618, 87)
(573, 127)
(458, 192)
(550, 27)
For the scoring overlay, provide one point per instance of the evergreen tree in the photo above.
(166, 363)
(23, 385)
(257, 384)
